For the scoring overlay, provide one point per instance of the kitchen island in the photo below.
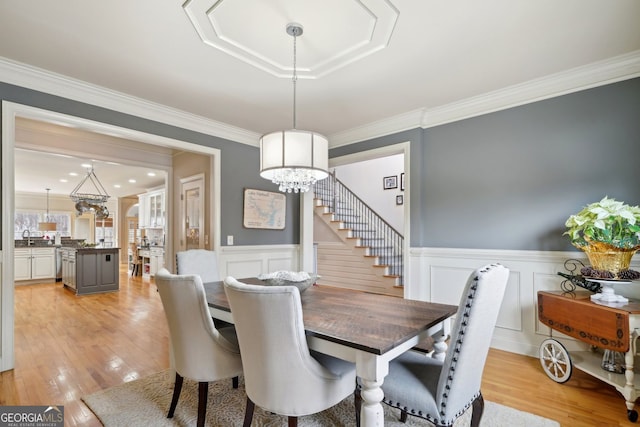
(90, 270)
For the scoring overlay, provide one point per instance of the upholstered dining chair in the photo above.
(281, 374)
(202, 262)
(200, 351)
(441, 391)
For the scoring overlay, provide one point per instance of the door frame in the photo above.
(11, 111)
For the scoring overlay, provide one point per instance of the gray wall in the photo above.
(506, 180)
(239, 163)
(510, 179)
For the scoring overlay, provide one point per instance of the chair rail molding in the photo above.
(437, 275)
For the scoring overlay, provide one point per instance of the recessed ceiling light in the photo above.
(86, 165)
(151, 174)
(73, 174)
(64, 180)
(132, 181)
(116, 185)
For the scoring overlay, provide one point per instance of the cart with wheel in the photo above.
(606, 327)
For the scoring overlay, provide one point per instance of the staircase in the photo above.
(368, 252)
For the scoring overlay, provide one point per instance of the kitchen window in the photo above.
(28, 220)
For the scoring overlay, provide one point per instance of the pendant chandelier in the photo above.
(91, 202)
(47, 225)
(294, 159)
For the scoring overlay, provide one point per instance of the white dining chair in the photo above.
(441, 391)
(281, 374)
(202, 262)
(200, 351)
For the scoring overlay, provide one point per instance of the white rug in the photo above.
(145, 402)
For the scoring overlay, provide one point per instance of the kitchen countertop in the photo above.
(38, 242)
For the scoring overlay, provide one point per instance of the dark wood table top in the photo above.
(370, 322)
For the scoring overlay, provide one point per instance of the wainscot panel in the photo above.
(438, 275)
(250, 261)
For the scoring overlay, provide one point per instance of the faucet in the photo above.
(27, 233)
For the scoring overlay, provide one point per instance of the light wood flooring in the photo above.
(68, 346)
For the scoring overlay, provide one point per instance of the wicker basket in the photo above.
(603, 256)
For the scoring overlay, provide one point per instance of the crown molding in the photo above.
(395, 124)
(599, 73)
(56, 84)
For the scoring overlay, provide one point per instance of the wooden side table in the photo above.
(611, 328)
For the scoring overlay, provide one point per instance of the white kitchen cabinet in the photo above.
(156, 260)
(143, 211)
(34, 263)
(151, 209)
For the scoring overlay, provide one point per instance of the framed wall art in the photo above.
(264, 209)
(402, 181)
(399, 199)
(390, 182)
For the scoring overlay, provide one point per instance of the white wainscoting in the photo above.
(251, 261)
(439, 275)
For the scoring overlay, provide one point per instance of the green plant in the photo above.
(607, 221)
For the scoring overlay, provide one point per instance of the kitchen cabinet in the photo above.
(68, 267)
(34, 263)
(156, 260)
(151, 209)
(91, 270)
(156, 209)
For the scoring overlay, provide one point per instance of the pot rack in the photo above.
(89, 200)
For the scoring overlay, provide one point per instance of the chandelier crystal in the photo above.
(294, 159)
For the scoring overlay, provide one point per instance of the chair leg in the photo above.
(234, 382)
(477, 409)
(203, 388)
(403, 416)
(293, 421)
(177, 388)
(357, 400)
(248, 413)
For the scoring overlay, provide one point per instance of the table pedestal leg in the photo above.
(371, 413)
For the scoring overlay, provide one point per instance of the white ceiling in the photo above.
(371, 59)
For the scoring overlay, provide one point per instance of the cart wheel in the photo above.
(555, 361)
(632, 415)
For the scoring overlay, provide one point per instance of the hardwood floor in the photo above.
(67, 347)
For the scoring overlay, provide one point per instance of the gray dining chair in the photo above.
(200, 351)
(441, 391)
(282, 375)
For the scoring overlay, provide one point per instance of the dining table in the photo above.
(364, 328)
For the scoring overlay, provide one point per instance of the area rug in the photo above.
(145, 402)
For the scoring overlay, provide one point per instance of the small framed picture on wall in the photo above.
(390, 182)
(402, 181)
(399, 199)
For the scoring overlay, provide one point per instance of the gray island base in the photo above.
(91, 270)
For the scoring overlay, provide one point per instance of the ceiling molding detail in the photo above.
(364, 27)
(19, 74)
(615, 69)
(619, 68)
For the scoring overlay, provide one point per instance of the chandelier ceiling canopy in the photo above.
(294, 159)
